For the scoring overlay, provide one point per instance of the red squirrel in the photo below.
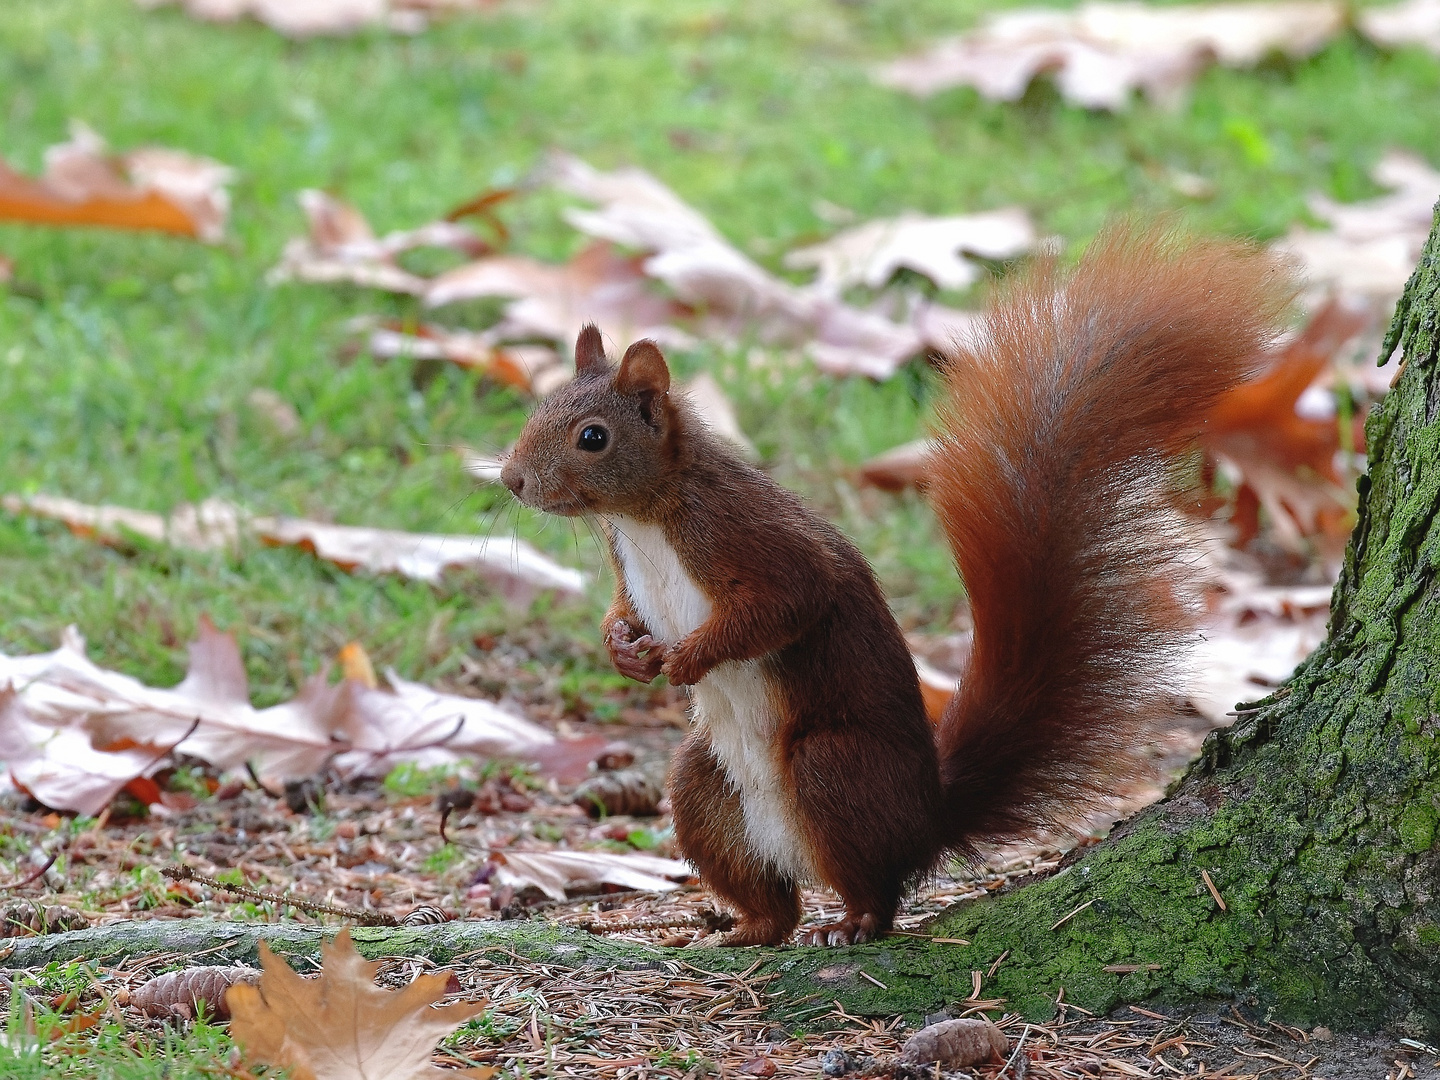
(811, 758)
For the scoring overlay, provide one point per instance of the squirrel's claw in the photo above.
(851, 930)
(625, 653)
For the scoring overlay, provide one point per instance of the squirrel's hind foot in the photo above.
(851, 930)
(753, 932)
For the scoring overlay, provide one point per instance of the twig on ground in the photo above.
(310, 907)
(33, 877)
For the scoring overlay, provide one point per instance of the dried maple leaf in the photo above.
(149, 188)
(341, 1026)
(598, 285)
(871, 253)
(538, 369)
(1101, 52)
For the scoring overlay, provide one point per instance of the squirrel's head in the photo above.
(602, 442)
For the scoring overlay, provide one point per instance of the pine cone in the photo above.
(629, 791)
(180, 993)
(26, 918)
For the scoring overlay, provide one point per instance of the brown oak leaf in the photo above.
(341, 1026)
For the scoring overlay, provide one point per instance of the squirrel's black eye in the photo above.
(594, 438)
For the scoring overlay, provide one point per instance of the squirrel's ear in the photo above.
(589, 350)
(643, 373)
(643, 370)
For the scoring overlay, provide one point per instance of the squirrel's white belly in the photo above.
(732, 704)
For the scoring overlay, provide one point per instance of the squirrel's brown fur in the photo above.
(812, 756)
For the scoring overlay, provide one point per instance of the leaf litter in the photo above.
(377, 851)
(656, 267)
(73, 734)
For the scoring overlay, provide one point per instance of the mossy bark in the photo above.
(1316, 819)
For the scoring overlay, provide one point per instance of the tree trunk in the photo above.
(1314, 819)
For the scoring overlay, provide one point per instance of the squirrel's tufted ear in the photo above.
(589, 350)
(643, 370)
(643, 373)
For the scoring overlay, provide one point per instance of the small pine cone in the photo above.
(628, 791)
(425, 915)
(26, 918)
(178, 992)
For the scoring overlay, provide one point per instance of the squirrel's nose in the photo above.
(513, 478)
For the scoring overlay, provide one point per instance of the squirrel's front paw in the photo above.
(682, 667)
(638, 658)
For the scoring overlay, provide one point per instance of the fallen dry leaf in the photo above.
(1101, 52)
(682, 281)
(552, 872)
(900, 467)
(598, 285)
(537, 369)
(149, 188)
(312, 18)
(1415, 22)
(60, 767)
(74, 734)
(341, 1026)
(513, 566)
(733, 294)
(1371, 247)
(340, 246)
(1288, 459)
(1253, 643)
(937, 247)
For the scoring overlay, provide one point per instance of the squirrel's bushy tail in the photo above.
(1055, 475)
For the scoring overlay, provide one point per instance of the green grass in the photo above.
(126, 360)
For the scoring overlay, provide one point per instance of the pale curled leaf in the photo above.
(553, 871)
(1414, 22)
(937, 247)
(342, 1026)
(340, 246)
(552, 301)
(315, 18)
(148, 188)
(512, 565)
(1371, 247)
(1101, 53)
